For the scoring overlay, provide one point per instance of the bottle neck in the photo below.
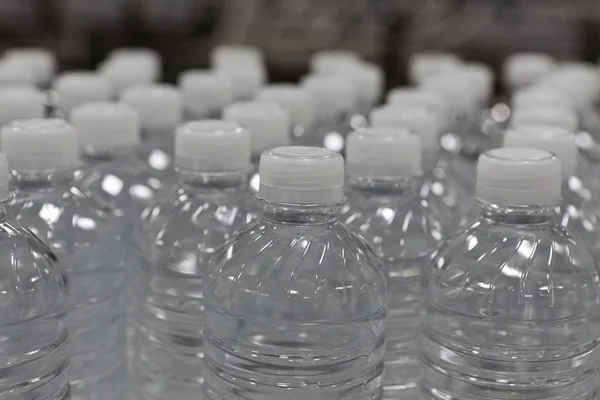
(301, 214)
(520, 215)
(43, 179)
(213, 181)
(158, 134)
(400, 186)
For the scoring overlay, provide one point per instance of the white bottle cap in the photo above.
(75, 88)
(579, 81)
(205, 92)
(482, 77)
(269, 124)
(367, 79)
(545, 115)
(420, 97)
(523, 69)
(4, 189)
(296, 100)
(160, 106)
(423, 66)
(20, 103)
(233, 54)
(247, 79)
(212, 146)
(41, 60)
(127, 73)
(301, 175)
(106, 126)
(383, 153)
(16, 74)
(40, 144)
(331, 60)
(457, 89)
(518, 177)
(148, 58)
(418, 119)
(332, 95)
(553, 139)
(540, 96)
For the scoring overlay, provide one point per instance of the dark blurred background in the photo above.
(81, 32)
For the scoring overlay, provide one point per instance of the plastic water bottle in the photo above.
(176, 239)
(423, 66)
(19, 103)
(269, 126)
(579, 207)
(444, 191)
(16, 74)
(384, 207)
(205, 93)
(512, 301)
(75, 88)
(335, 101)
(33, 312)
(43, 155)
(109, 134)
(300, 106)
(160, 108)
(296, 303)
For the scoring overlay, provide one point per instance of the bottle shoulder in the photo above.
(189, 224)
(502, 270)
(33, 281)
(65, 218)
(397, 227)
(299, 273)
(122, 185)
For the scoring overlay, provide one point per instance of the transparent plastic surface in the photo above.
(81, 234)
(295, 309)
(405, 232)
(157, 152)
(511, 311)
(122, 182)
(445, 192)
(176, 238)
(33, 361)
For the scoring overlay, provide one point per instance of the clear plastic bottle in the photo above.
(579, 207)
(176, 239)
(77, 87)
(43, 155)
(109, 134)
(19, 103)
(384, 207)
(269, 125)
(300, 106)
(205, 93)
(33, 312)
(445, 192)
(160, 108)
(511, 302)
(296, 303)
